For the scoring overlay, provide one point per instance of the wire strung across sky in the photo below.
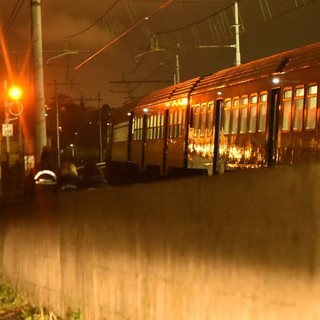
(15, 11)
(220, 23)
(162, 6)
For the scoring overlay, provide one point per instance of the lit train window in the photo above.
(298, 109)
(120, 131)
(170, 125)
(203, 118)
(311, 107)
(179, 123)
(173, 121)
(210, 117)
(158, 126)
(226, 116)
(175, 124)
(235, 115)
(262, 109)
(196, 119)
(138, 129)
(253, 113)
(149, 127)
(244, 114)
(161, 126)
(287, 104)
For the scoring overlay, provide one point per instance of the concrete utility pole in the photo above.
(36, 32)
(237, 29)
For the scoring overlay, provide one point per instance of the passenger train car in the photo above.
(258, 114)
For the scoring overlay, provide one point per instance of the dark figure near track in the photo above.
(92, 177)
(44, 176)
(69, 179)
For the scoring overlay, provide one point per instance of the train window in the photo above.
(196, 119)
(311, 107)
(170, 125)
(226, 116)
(175, 118)
(210, 117)
(253, 113)
(244, 114)
(138, 128)
(120, 131)
(156, 126)
(161, 126)
(179, 123)
(235, 115)
(174, 124)
(287, 104)
(203, 118)
(262, 109)
(298, 108)
(149, 128)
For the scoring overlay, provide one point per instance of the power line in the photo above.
(124, 33)
(96, 22)
(13, 15)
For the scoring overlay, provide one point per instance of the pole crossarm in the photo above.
(67, 52)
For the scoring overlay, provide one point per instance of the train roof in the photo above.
(284, 62)
(169, 93)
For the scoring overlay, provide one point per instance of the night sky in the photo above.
(121, 71)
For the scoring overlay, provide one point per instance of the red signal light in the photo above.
(15, 93)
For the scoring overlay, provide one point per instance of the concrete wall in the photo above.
(239, 246)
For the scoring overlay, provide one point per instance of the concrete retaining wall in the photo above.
(239, 246)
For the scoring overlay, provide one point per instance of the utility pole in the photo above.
(57, 121)
(237, 30)
(100, 129)
(36, 33)
(177, 74)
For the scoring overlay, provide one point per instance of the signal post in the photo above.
(12, 111)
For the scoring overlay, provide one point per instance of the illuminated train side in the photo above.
(262, 113)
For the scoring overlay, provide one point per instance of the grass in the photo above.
(13, 303)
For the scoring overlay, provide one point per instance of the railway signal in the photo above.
(15, 94)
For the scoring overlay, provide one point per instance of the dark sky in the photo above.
(120, 72)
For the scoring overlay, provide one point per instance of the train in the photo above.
(263, 113)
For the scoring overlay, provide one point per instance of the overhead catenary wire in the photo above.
(13, 16)
(162, 6)
(96, 22)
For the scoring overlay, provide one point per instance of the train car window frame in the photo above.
(210, 109)
(262, 111)
(179, 122)
(287, 109)
(253, 112)
(149, 127)
(161, 125)
(170, 124)
(174, 124)
(311, 107)
(138, 121)
(298, 108)
(226, 116)
(235, 115)
(203, 119)
(244, 114)
(120, 131)
(196, 118)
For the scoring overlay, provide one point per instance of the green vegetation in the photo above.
(13, 303)
(9, 300)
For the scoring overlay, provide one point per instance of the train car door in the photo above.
(273, 130)
(217, 132)
(165, 142)
(144, 141)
